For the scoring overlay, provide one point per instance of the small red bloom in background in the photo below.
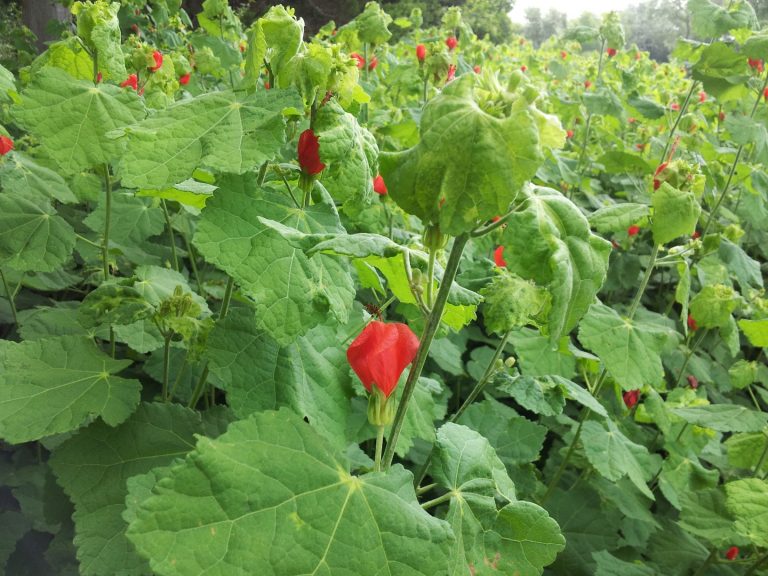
(732, 553)
(659, 170)
(611, 52)
(380, 354)
(379, 186)
(640, 146)
(615, 245)
(721, 116)
(674, 106)
(633, 230)
(692, 323)
(135, 29)
(693, 381)
(696, 234)
(569, 133)
(372, 63)
(765, 93)
(184, 80)
(451, 42)
(587, 84)
(267, 86)
(631, 398)
(451, 73)
(158, 58)
(6, 145)
(421, 52)
(498, 257)
(638, 55)
(631, 120)
(360, 59)
(563, 54)
(702, 96)
(243, 46)
(131, 82)
(755, 64)
(99, 78)
(309, 153)
(495, 218)
(523, 67)
(476, 69)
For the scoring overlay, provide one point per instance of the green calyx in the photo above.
(381, 412)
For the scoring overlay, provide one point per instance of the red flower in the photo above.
(158, 58)
(696, 234)
(131, 82)
(765, 93)
(640, 146)
(631, 120)
(675, 106)
(638, 55)
(476, 69)
(6, 145)
(451, 42)
(267, 86)
(693, 381)
(563, 54)
(243, 47)
(309, 153)
(99, 78)
(495, 218)
(633, 230)
(379, 186)
(569, 133)
(721, 116)
(451, 73)
(702, 96)
(523, 67)
(373, 62)
(380, 354)
(755, 64)
(732, 553)
(587, 84)
(498, 257)
(135, 28)
(360, 60)
(421, 52)
(184, 80)
(692, 323)
(631, 398)
(659, 170)
(611, 52)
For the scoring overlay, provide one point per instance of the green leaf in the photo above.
(711, 20)
(647, 107)
(537, 358)
(282, 35)
(748, 502)
(683, 473)
(712, 306)
(292, 292)
(133, 219)
(630, 349)
(372, 25)
(93, 466)
(551, 229)
(722, 70)
(756, 332)
(426, 408)
(618, 162)
(581, 395)
(72, 118)
(540, 395)
(724, 417)
(58, 385)
(511, 302)
(350, 153)
(618, 217)
(33, 238)
(614, 455)
(189, 193)
(21, 175)
(603, 101)
(704, 514)
(745, 450)
(675, 213)
(610, 565)
(310, 376)
(13, 526)
(468, 167)
(224, 131)
(99, 28)
(303, 505)
(113, 304)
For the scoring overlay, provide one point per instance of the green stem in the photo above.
(571, 448)
(170, 234)
(179, 376)
(759, 562)
(433, 322)
(762, 457)
(680, 115)
(691, 350)
(644, 282)
(192, 257)
(227, 297)
(588, 124)
(702, 569)
(107, 223)
(439, 500)
(430, 276)
(424, 489)
(166, 366)
(11, 299)
(379, 448)
(739, 151)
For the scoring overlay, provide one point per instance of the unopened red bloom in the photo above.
(732, 553)
(498, 257)
(451, 42)
(451, 73)
(640, 146)
(131, 82)
(765, 93)
(755, 64)
(309, 153)
(373, 62)
(477, 69)
(421, 52)
(633, 230)
(379, 186)
(696, 234)
(702, 96)
(569, 133)
(675, 106)
(587, 84)
(611, 52)
(563, 54)
(135, 28)
(523, 67)
(360, 59)
(721, 116)
(6, 145)
(157, 56)
(659, 170)
(380, 354)
(631, 398)
(638, 55)
(631, 120)
(693, 381)
(99, 77)
(692, 323)
(184, 80)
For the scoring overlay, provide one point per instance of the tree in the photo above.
(655, 26)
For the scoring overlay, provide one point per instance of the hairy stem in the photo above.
(379, 448)
(439, 500)
(11, 298)
(166, 366)
(171, 236)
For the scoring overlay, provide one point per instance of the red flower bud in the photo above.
(243, 47)
(631, 120)
(421, 52)
(451, 73)
(633, 230)
(379, 186)
(158, 58)
(360, 60)
(6, 145)
(495, 218)
(611, 52)
(692, 323)
(675, 106)
(135, 29)
(721, 116)
(380, 354)
(755, 64)
(267, 86)
(693, 381)
(696, 234)
(498, 257)
(732, 553)
(638, 55)
(451, 42)
(587, 84)
(640, 146)
(702, 96)
(309, 153)
(563, 54)
(569, 133)
(659, 170)
(476, 69)
(131, 82)
(631, 398)
(523, 67)
(372, 63)
(765, 93)
(99, 78)
(184, 80)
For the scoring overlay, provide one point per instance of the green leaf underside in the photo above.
(270, 494)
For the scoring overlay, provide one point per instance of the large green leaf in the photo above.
(23, 176)
(270, 495)
(59, 384)
(469, 166)
(292, 292)
(675, 213)
(549, 241)
(704, 514)
(72, 118)
(630, 349)
(93, 467)
(225, 131)
(747, 500)
(33, 238)
(724, 417)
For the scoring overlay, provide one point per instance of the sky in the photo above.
(572, 8)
